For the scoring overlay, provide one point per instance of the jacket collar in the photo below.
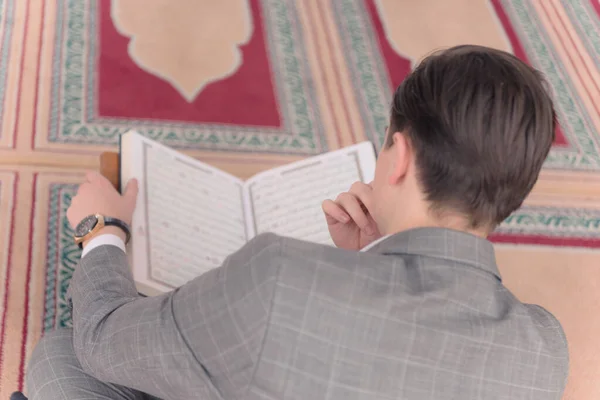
(441, 243)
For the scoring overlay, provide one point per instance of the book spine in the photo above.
(119, 182)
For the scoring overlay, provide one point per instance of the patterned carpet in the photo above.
(250, 84)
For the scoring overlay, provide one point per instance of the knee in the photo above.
(53, 347)
(52, 361)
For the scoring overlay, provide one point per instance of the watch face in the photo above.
(86, 225)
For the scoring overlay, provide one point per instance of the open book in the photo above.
(190, 216)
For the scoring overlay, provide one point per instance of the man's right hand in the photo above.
(350, 223)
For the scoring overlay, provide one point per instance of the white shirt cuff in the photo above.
(102, 240)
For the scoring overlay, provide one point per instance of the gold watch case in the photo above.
(99, 225)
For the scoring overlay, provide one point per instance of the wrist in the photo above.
(112, 230)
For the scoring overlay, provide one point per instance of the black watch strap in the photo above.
(108, 221)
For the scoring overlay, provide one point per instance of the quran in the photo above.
(190, 216)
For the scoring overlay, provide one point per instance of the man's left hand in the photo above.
(98, 196)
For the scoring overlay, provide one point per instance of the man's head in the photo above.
(469, 131)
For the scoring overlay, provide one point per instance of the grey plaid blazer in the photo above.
(421, 315)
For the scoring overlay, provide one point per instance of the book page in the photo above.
(189, 217)
(287, 200)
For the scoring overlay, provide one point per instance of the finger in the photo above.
(74, 201)
(334, 213)
(84, 187)
(131, 192)
(92, 176)
(353, 207)
(373, 224)
(96, 178)
(364, 192)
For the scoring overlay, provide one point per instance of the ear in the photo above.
(401, 153)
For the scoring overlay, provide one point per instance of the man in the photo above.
(410, 304)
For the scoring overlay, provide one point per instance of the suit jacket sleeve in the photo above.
(203, 338)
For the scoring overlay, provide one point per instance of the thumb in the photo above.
(330, 220)
(131, 192)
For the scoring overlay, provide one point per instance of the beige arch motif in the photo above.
(188, 43)
(415, 28)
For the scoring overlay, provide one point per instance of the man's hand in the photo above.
(98, 196)
(350, 223)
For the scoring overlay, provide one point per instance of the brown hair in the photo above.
(481, 124)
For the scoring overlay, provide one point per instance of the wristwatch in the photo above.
(91, 224)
